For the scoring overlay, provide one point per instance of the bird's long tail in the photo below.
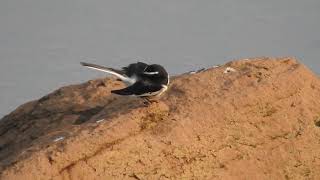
(118, 73)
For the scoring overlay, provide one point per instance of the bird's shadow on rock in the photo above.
(119, 105)
(58, 114)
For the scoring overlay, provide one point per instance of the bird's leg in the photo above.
(146, 101)
(149, 101)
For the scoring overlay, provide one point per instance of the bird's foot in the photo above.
(147, 102)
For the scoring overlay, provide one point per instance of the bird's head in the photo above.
(158, 72)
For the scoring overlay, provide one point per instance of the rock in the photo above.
(259, 122)
(229, 69)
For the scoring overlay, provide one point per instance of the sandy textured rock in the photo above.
(260, 121)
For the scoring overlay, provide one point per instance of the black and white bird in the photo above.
(142, 80)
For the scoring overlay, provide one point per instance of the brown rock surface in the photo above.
(260, 122)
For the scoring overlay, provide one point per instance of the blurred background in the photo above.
(42, 41)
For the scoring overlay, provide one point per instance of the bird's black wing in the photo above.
(139, 89)
(135, 68)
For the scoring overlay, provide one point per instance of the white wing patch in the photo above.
(151, 73)
(123, 78)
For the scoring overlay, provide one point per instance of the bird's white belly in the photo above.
(156, 93)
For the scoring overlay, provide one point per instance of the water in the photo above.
(42, 41)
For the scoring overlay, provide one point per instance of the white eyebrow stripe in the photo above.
(151, 73)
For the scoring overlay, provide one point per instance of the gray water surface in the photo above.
(42, 41)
